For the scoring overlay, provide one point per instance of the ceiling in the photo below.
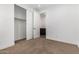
(40, 7)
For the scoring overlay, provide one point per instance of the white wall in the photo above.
(42, 21)
(36, 24)
(6, 25)
(20, 22)
(29, 24)
(62, 23)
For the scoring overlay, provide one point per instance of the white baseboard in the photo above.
(7, 46)
(64, 41)
(78, 45)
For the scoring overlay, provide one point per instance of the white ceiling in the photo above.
(42, 6)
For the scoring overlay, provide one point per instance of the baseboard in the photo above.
(78, 45)
(7, 46)
(20, 40)
(56, 39)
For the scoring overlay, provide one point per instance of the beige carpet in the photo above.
(40, 46)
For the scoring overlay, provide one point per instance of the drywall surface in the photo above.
(6, 25)
(36, 24)
(62, 23)
(42, 21)
(29, 24)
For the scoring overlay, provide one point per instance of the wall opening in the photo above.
(43, 25)
(19, 23)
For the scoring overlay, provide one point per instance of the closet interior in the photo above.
(19, 23)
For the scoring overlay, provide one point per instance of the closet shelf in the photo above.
(19, 19)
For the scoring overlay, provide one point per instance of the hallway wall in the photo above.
(42, 20)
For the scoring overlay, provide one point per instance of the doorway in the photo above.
(19, 23)
(43, 25)
(39, 25)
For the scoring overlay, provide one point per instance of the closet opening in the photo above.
(19, 23)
